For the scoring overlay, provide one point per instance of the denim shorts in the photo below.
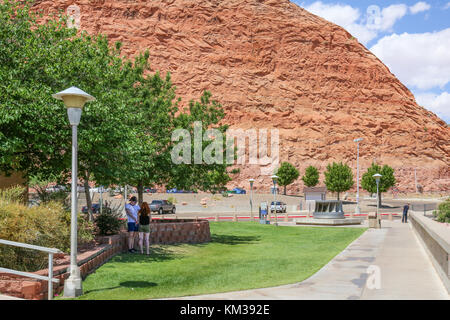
(133, 227)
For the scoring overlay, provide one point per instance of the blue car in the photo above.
(239, 191)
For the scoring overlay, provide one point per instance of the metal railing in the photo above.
(424, 207)
(49, 278)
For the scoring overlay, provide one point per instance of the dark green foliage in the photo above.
(287, 174)
(338, 177)
(109, 222)
(387, 180)
(443, 212)
(311, 177)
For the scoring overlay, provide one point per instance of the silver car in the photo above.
(280, 207)
(162, 206)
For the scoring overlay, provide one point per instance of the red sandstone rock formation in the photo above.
(272, 64)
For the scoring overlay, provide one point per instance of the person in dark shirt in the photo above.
(405, 213)
(144, 226)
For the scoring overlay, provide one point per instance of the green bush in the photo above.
(47, 225)
(109, 222)
(443, 212)
(172, 200)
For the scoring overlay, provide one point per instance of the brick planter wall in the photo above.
(167, 231)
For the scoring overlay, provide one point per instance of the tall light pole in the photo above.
(74, 100)
(377, 177)
(251, 197)
(358, 140)
(275, 179)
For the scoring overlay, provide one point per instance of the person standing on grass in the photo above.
(132, 210)
(405, 213)
(144, 226)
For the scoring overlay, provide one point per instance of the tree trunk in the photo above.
(140, 189)
(338, 196)
(88, 199)
(285, 190)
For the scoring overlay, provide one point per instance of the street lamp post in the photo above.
(358, 210)
(251, 197)
(377, 177)
(275, 179)
(74, 100)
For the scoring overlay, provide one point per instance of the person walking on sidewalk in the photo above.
(405, 213)
(144, 226)
(132, 210)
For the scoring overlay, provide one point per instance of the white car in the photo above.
(280, 207)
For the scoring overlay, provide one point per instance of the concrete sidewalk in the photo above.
(393, 253)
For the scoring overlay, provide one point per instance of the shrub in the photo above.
(172, 200)
(443, 212)
(235, 171)
(109, 222)
(47, 225)
(13, 194)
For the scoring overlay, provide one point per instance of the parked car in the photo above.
(55, 188)
(162, 206)
(99, 189)
(95, 208)
(175, 190)
(150, 190)
(238, 191)
(280, 207)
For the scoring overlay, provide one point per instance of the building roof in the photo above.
(315, 189)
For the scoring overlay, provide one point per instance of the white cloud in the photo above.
(447, 6)
(364, 27)
(438, 103)
(391, 14)
(420, 60)
(419, 7)
(342, 15)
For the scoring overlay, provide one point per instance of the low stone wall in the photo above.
(167, 231)
(436, 238)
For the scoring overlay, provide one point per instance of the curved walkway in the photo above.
(387, 263)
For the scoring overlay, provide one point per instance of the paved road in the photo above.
(393, 255)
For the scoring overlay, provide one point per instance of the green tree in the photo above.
(37, 60)
(338, 178)
(311, 177)
(287, 174)
(387, 180)
(206, 176)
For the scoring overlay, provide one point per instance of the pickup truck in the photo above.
(162, 206)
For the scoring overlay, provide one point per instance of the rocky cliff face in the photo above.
(272, 64)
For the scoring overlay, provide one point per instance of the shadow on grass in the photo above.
(385, 206)
(126, 284)
(234, 240)
(157, 254)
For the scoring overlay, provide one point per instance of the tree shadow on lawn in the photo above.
(385, 206)
(157, 254)
(127, 284)
(234, 240)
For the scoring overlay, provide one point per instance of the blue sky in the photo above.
(411, 37)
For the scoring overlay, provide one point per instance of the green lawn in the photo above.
(241, 255)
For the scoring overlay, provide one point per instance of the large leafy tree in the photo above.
(287, 174)
(311, 177)
(40, 59)
(338, 177)
(387, 180)
(124, 136)
(206, 176)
